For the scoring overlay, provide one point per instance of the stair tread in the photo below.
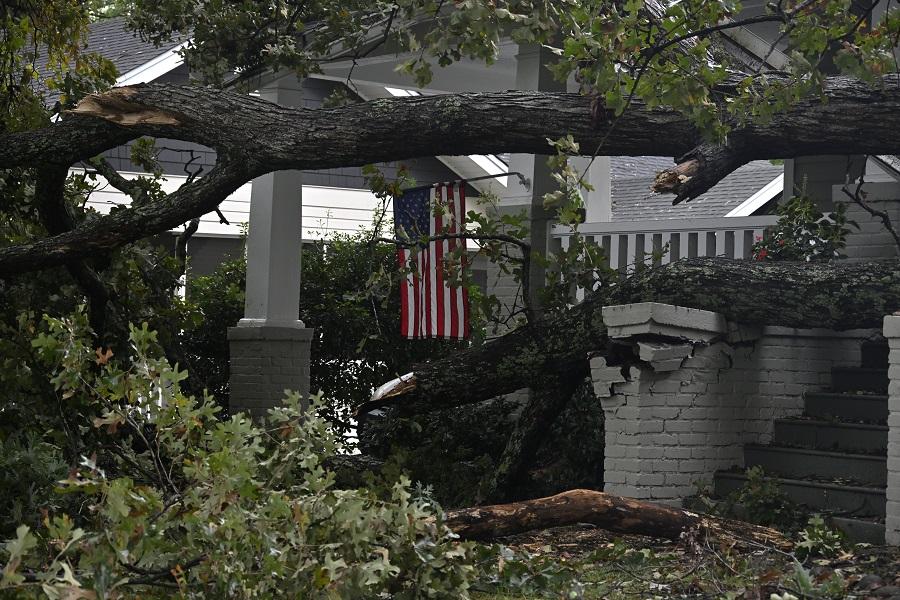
(848, 395)
(829, 485)
(813, 422)
(816, 452)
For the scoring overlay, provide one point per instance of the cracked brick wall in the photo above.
(669, 430)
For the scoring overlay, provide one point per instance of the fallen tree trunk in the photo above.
(833, 295)
(545, 403)
(612, 513)
(253, 137)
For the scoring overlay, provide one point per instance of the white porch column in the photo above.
(892, 519)
(273, 251)
(597, 202)
(532, 75)
(270, 345)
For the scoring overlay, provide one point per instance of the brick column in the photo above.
(892, 521)
(265, 363)
(696, 389)
(270, 347)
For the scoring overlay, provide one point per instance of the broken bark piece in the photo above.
(612, 513)
(671, 180)
(699, 170)
(117, 106)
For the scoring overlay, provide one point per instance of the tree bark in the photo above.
(834, 295)
(612, 513)
(545, 403)
(253, 137)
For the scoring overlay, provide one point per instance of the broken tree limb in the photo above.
(699, 170)
(833, 295)
(609, 512)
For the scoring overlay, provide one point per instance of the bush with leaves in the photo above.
(803, 233)
(179, 501)
(818, 539)
(760, 501)
(348, 295)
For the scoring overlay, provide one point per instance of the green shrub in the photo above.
(818, 539)
(761, 501)
(357, 344)
(803, 233)
(30, 465)
(179, 501)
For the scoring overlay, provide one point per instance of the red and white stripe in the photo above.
(430, 307)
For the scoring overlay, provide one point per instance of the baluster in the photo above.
(607, 250)
(647, 258)
(630, 252)
(615, 242)
(701, 243)
(663, 239)
(726, 239)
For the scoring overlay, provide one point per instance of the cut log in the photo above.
(612, 513)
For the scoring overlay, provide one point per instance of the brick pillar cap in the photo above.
(892, 326)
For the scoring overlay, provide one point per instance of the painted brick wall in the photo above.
(892, 521)
(667, 431)
(503, 285)
(266, 361)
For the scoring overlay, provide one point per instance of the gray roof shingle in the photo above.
(632, 199)
(111, 39)
(629, 167)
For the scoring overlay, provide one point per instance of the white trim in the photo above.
(759, 199)
(154, 68)
(759, 46)
(889, 163)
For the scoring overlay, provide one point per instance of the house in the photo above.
(746, 388)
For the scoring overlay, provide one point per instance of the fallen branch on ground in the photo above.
(612, 513)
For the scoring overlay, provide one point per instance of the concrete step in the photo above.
(861, 531)
(843, 500)
(830, 435)
(852, 379)
(874, 354)
(869, 408)
(858, 530)
(799, 463)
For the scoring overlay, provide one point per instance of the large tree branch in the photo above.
(699, 170)
(111, 231)
(252, 137)
(49, 197)
(832, 295)
(276, 137)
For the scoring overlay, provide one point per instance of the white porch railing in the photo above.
(627, 243)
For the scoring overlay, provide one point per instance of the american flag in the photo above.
(430, 307)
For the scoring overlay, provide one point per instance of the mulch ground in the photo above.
(637, 566)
